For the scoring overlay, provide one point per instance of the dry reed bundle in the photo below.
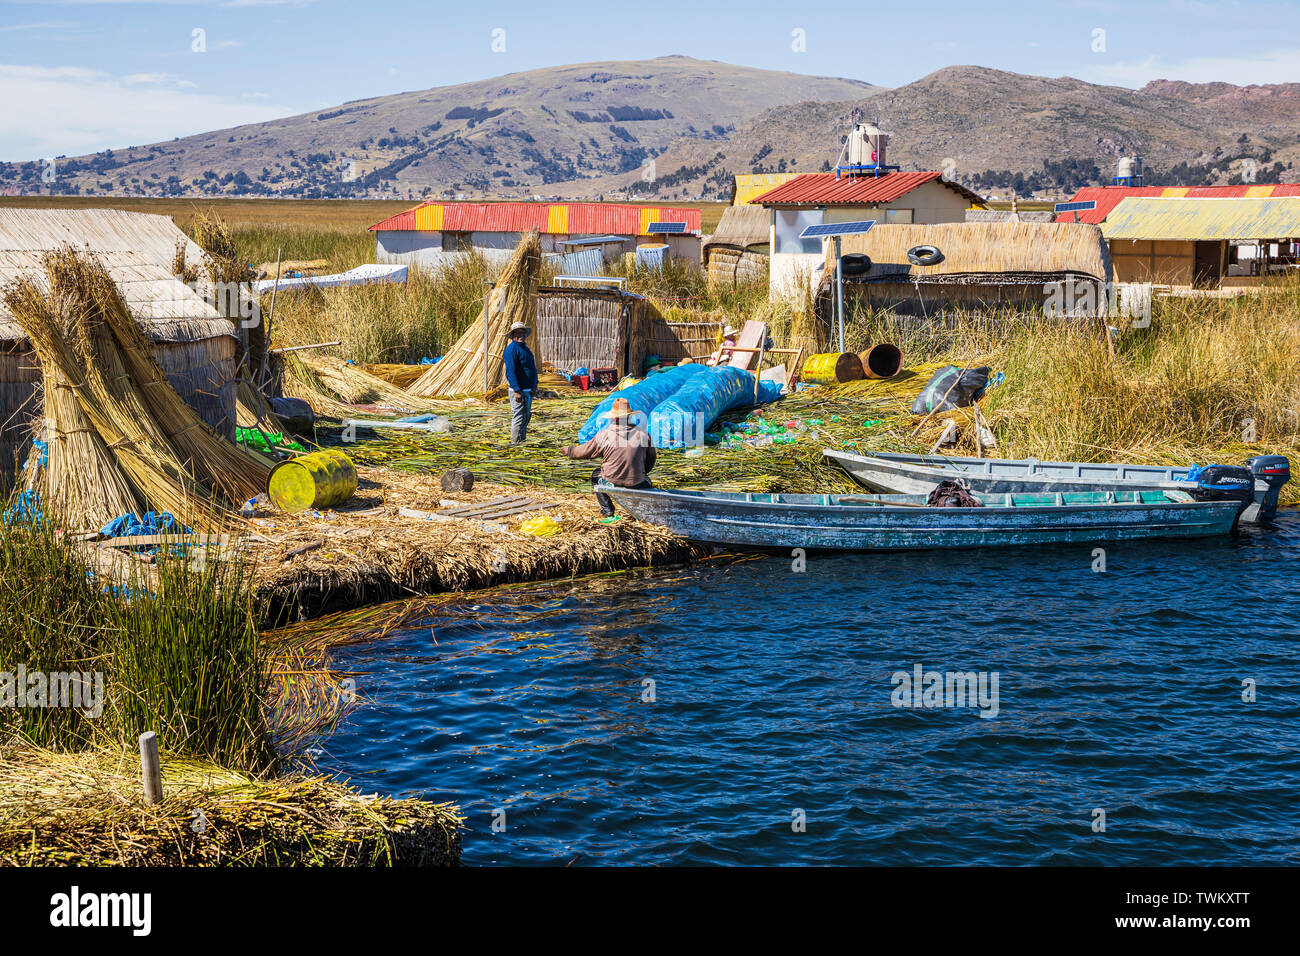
(207, 456)
(83, 483)
(74, 339)
(142, 455)
(215, 237)
(513, 299)
(400, 376)
(331, 385)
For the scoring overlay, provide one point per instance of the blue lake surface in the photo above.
(1119, 691)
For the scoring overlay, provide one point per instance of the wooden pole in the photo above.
(486, 296)
(150, 768)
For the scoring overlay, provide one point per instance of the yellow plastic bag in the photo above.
(540, 526)
(628, 381)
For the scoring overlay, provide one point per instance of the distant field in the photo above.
(333, 215)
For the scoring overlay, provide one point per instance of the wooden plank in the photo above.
(465, 509)
(531, 506)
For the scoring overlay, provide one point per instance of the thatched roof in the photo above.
(1011, 252)
(138, 249)
(740, 228)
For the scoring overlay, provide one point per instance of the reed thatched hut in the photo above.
(601, 326)
(196, 347)
(1025, 266)
(737, 252)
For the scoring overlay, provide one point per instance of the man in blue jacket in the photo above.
(521, 376)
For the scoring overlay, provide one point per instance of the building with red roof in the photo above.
(919, 198)
(433, 231)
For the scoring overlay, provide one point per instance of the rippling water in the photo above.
(1118, 691)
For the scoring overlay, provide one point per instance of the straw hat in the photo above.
(519, 327)
(730, 330)
(620, 409)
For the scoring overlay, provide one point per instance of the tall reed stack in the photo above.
(465, 369)
(128, 431)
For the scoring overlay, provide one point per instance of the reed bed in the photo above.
(84, 809)
(367, 552)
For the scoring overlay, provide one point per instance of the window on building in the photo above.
(791, 222)
(903, 216)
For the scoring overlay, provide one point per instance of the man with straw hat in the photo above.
(626, 451)
(521, 376)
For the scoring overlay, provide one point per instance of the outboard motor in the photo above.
(1274, 471)
(1226, 483)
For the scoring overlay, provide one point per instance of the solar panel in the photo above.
(663, 228)
(836, 229)
(1075, 206)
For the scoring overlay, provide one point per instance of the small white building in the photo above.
(920, 198)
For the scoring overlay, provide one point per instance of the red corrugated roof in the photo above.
(583, 218)
(823, 189)
(1108, 197)
(403, 220)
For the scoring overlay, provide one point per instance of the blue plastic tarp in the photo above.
(684, 418)
(152, 522)
(644, 397)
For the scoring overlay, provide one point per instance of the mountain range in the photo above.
(676, 128)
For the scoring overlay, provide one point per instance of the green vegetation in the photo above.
(178, 650)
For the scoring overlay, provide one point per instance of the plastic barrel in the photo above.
(882, 361)
(831, 367)
(322, 479)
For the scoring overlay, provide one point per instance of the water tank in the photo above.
(866, 146)
(1124, 168)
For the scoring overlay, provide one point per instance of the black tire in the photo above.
(924, 256)
(855, 264)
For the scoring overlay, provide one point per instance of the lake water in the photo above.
(773, 736)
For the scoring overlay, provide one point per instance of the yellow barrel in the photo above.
(322, 479)
(831, 367)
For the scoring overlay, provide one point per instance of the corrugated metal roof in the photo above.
(1207, 219)
(823, 189)
(1108, 197)
(750, 186)
(555, 218)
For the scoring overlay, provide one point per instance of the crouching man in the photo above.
(626, 452)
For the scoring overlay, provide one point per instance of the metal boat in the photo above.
(905, 522)
(917, 474)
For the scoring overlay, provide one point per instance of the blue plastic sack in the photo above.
(645, 396)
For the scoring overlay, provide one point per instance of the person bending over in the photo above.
(626, 452)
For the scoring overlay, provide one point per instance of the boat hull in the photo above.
(918, 474)
(778, 521)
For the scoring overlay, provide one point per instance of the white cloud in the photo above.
(1275, 66)
(45, 25)
(51, 111)
(159, 79)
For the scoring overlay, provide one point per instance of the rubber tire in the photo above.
(924, 256)
(855, 264)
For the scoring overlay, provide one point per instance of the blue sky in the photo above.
(82, 75)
